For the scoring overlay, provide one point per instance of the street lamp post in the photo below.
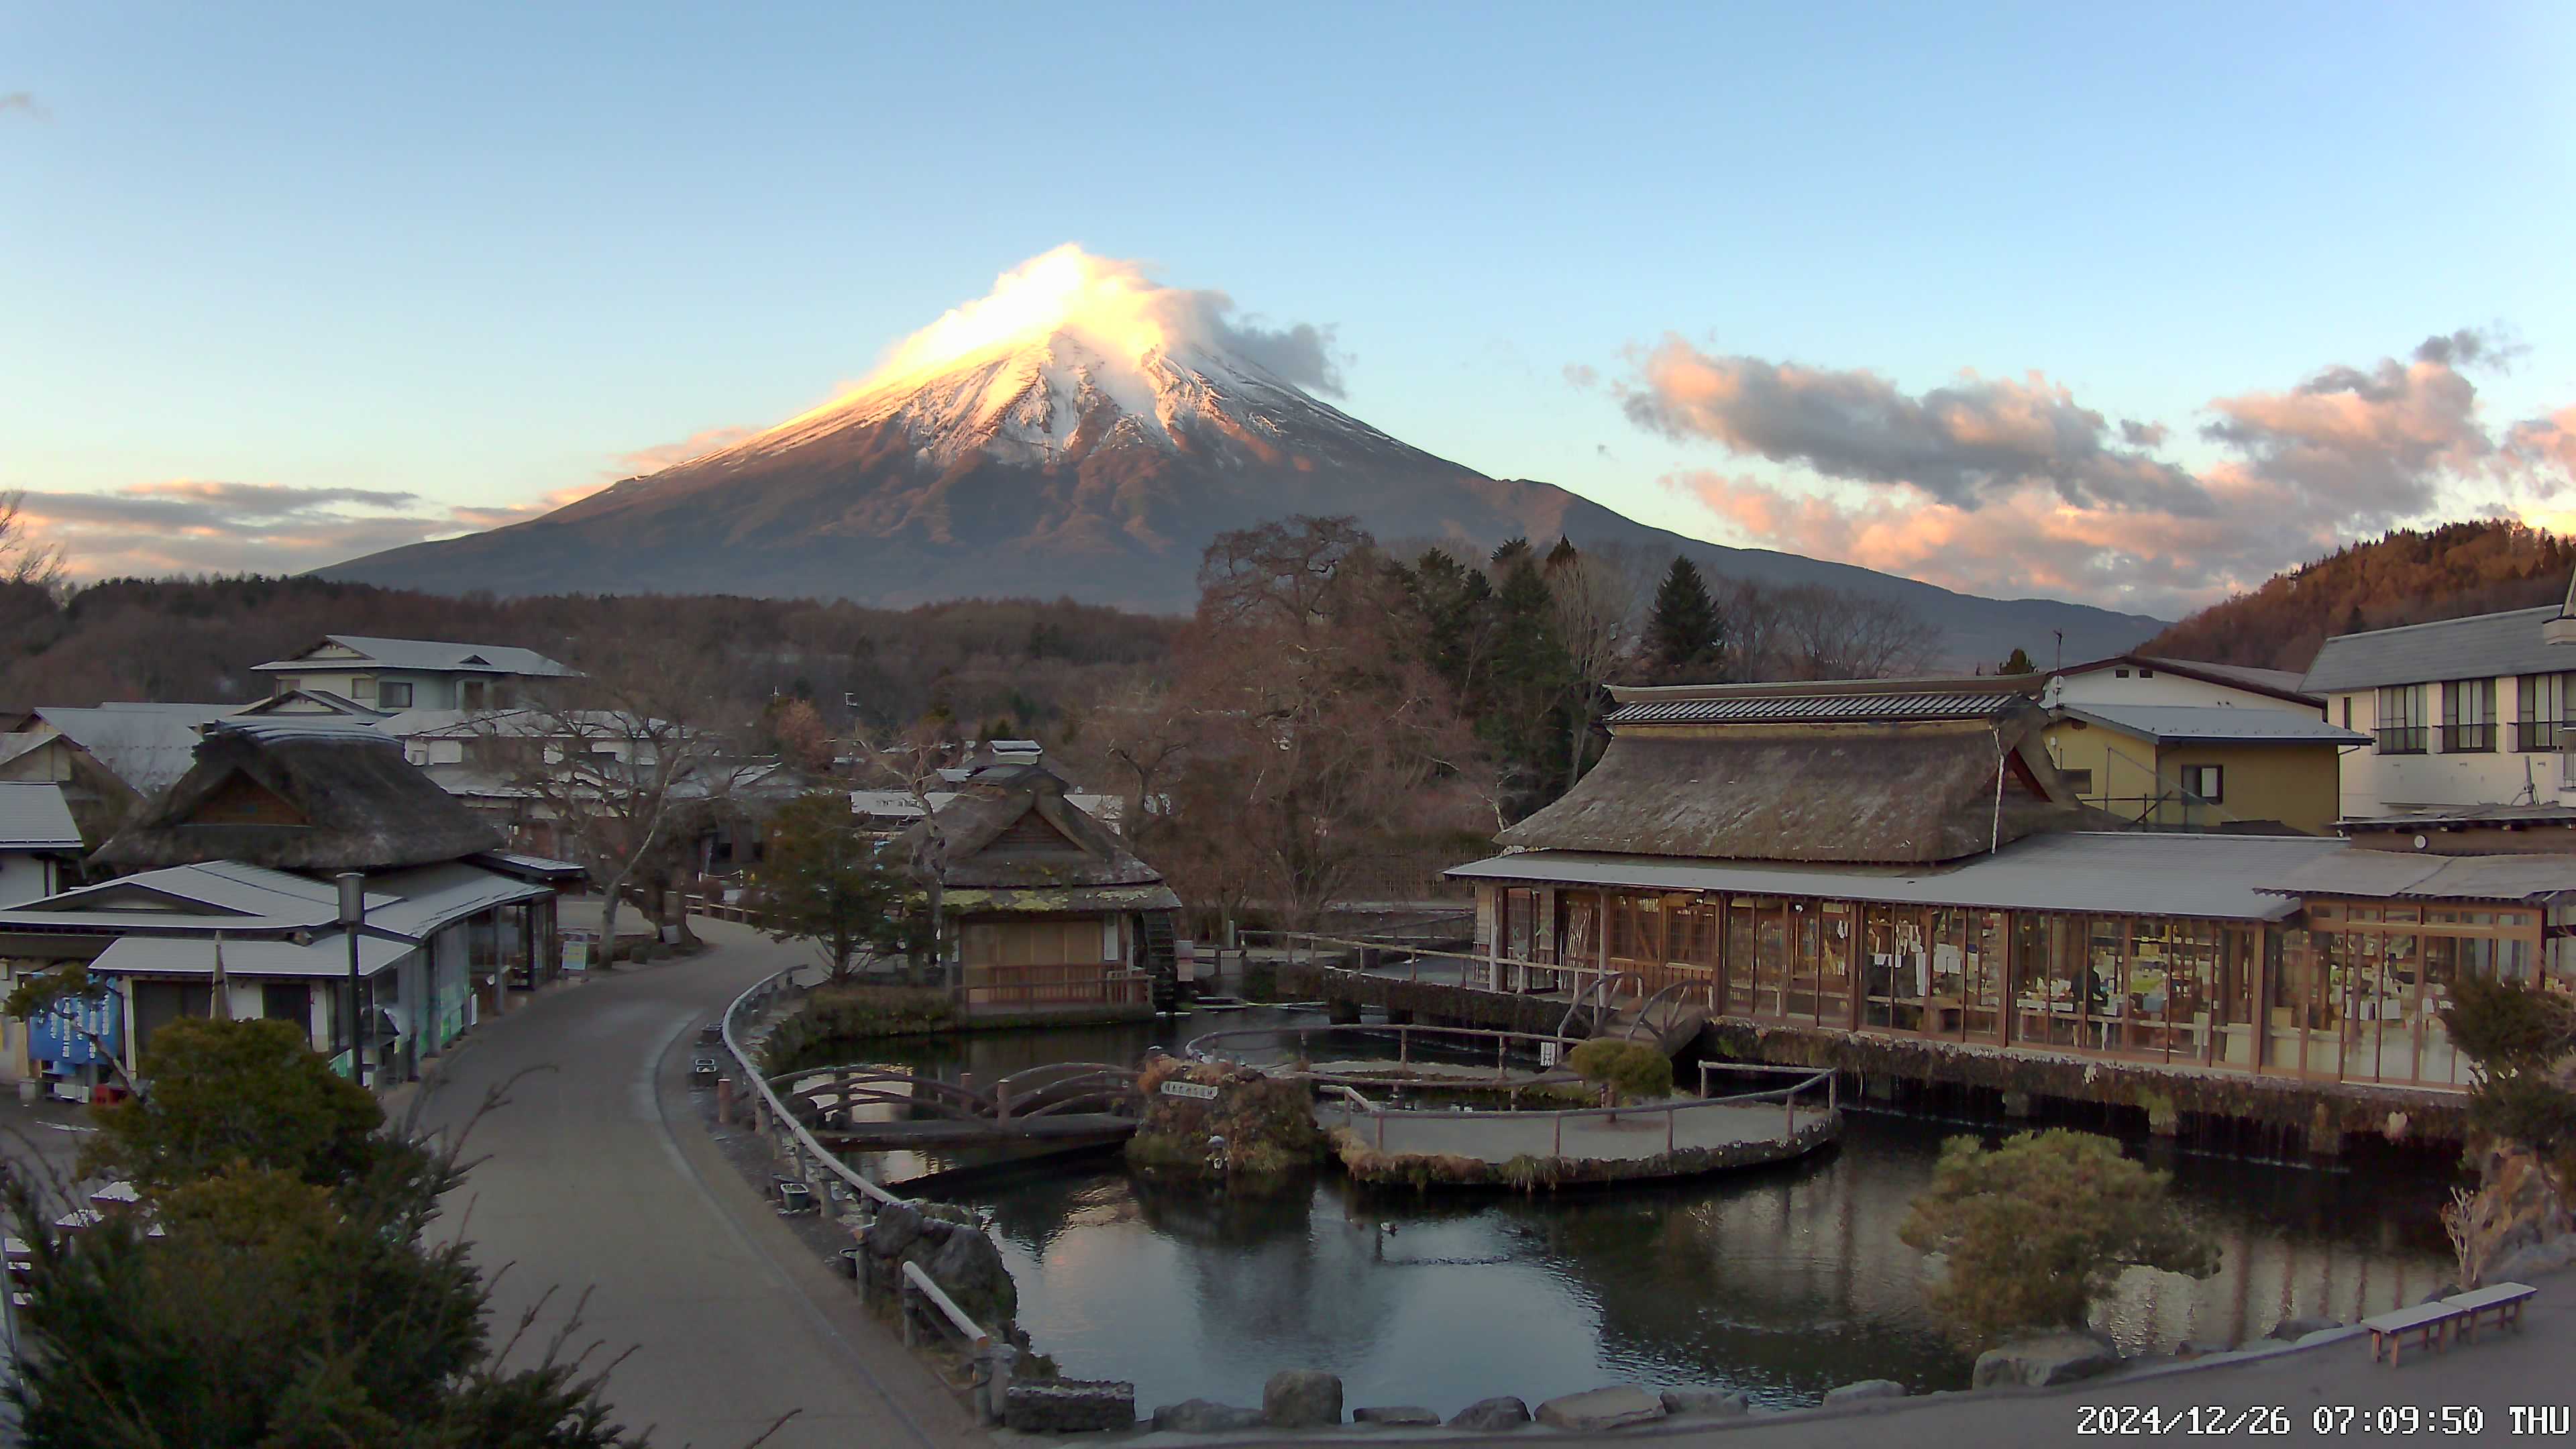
(353, 914)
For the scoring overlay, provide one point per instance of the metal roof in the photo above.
(1814, 708)
(2208, 876)
(327, 956)
(237, 898)
(2390, 875)
(2215, 722)
(34, 817)
(148, 746)
(426, 654)
(2481, 646)
(432, 896)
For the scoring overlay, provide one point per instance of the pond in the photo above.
(1780, 1282)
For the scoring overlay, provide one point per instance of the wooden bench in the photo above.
(2430, 1323)
(2504, 1300)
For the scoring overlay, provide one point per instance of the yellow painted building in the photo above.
(2202, 767)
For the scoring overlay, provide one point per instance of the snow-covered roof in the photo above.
(35, 817)
(432, 655)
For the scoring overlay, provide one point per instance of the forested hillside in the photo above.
(1014, 663)
(2408, 576)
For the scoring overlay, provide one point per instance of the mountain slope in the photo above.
(2406, 576)
(1091, 464)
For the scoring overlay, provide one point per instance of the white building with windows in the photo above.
(389, 675)
(2460, 713)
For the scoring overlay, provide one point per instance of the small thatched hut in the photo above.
(1047, 910)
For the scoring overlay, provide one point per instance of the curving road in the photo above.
(598, 1175)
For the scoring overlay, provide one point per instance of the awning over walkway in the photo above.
(2218, 877)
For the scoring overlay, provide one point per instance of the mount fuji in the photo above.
(1082, 432)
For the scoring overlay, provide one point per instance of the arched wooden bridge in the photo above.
(868, 1105)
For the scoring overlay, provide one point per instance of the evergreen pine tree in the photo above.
(2017, 663)
(1685, 637)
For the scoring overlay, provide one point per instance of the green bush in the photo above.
(2039, 1227)
(1634, 1071)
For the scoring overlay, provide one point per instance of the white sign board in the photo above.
(1546, 1054)
(1178, 1088)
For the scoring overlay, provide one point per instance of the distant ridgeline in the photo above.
(2408, 576)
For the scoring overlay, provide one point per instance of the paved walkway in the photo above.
(598, 1176)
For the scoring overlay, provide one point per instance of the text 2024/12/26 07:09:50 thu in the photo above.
(2391, 1420)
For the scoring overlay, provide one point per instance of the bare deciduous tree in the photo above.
(1595, 596)
(620, 757)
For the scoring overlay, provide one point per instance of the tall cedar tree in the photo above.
(2017, 662)
(1685, 637)
(289, 1295)
(1532, 677)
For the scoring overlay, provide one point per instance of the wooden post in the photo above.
(1833, 1092)
(1403, 1045)
(1789, 1112)
(1669, 1114)
(1558, 1150)
(1380, 1114)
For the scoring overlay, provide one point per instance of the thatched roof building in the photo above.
(1873, 771)
(300, 795)
(1011, 840)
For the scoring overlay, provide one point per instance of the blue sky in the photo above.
(328, 256)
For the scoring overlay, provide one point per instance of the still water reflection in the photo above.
(1782, 1282)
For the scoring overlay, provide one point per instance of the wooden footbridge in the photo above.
(863, 1106)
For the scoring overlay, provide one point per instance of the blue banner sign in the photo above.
(78, 1031)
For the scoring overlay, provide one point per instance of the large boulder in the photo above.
(2051, 1358)
(1400, 1416)
(1491, 1415)
(898, 1226)
(1719, 1403)
(970, 1269)
(1301, 1399)
(1595, 1410)
(1204, 1416)
(1863, 1391)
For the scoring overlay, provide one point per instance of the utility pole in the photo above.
(353, 914)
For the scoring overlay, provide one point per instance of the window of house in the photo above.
(2209, 782)
(2468, 716)
(2402, 725)
(394, 694)
(362, 687)
(2081, 781)
(2540, 711)
(2347, 711)
(472, 694)
(284, 684)
(2146, 674)
(2119, 674)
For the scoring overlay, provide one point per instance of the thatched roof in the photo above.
(1011, 828)
(303, 796)
(1900, 792)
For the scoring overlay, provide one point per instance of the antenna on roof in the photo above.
(2060, 662)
